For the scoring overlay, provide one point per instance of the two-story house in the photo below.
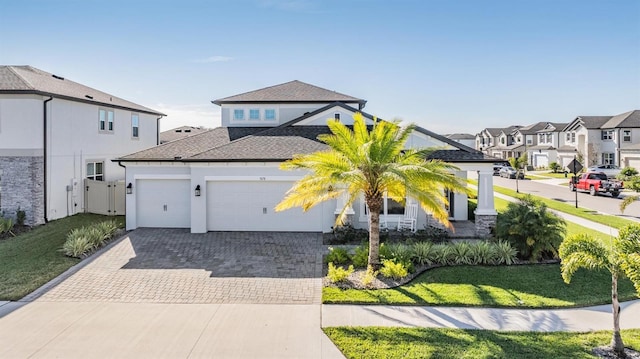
(499, 142)
(606, 139)
(548, 140)
(228, 178)
(54, 133)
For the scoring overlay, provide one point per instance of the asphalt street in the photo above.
(600, 203)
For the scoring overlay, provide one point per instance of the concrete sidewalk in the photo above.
(145, 330)
(542, 320)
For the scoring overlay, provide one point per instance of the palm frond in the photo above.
(583, 251)
(627, 201)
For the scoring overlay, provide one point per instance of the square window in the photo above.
(238, 115)
(270, 115)
(607, 135)
(95, 171)
(337, 116)
(254, 114)
(626, 135)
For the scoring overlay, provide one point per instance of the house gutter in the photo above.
(44, 146)
(157, 133)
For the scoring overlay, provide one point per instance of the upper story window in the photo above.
(607, 134)
(337, 116)
(238, 115)
(254, 114)
(626, 135)
(270, 114)
(529, 140)
(105, 120)
(541, 138)
(95, 171)
(502, 140)
(549, 137)
(135, 125)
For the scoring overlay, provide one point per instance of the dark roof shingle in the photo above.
(27, 79)
(288, 92)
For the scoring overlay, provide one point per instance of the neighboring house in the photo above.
(54, 133)
(228, 178)
(180, 132)
(466, 139)
(606, 139)
(499, 142)
(549, 140)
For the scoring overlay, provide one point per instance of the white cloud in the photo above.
(211, 59)
(188, 115)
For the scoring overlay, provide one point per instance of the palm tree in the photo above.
(374, 163)
(518, 164)
(627, 201)
(621, 258)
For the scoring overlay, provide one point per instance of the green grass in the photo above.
(608, 220)
(524, 286)
(547, 175)
(407, 343)
(31, 259)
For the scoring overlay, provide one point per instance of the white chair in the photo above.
(410, 219)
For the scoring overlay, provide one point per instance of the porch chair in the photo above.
(410, 219)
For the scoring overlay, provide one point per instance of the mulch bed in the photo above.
(608, 353)
(16, 230)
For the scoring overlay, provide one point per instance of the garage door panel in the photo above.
(163, 203)
(633, 162)
(249, 206)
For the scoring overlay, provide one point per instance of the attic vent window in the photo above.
(58, 77)
(177, 158)
(178, 131)
(89, 97)
(187, 130)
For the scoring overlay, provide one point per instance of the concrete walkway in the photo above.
(543, 320)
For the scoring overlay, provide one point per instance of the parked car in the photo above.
(596, 182)
(510, 172)
(609, 170)
(496, 170)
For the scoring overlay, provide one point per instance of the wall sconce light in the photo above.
(129, 188)
(198, 191)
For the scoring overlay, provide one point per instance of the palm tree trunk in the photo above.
(374, 204)
(616, 341)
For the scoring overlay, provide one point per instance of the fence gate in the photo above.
(106, 198)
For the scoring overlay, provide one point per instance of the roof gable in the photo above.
(29, 80)
(629, 119)
(290, 92)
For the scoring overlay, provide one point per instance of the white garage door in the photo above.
(633, 162)
(249, 206)
(540, 160)
(163, 203)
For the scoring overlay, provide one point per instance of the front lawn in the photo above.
(31, 259)
(375, 342)
(524, 286)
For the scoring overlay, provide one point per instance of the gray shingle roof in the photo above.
(558, 127)
(531, 129)
(29, 80)
(460, 136)
(288, 92)
(629, 119)
(593, 122)
(180, 132)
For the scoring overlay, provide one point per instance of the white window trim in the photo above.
(624, 135)
(275, 115)
(137, 115)
(254, 119)
(106, 120)
(233, 115)
(86, 175)
(262, 113)
(390, 218)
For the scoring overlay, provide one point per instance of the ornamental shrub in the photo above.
(395, 270)
(422, 253)
(360, 258)
(338, 274)
(369, 276)
(337, 256)
(531, 229)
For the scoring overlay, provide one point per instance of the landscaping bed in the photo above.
(32, 258)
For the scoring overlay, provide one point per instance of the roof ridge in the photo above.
(11, 68)
(228, 143)
(174, 142)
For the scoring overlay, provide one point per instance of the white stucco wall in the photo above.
(284, 113)
(73, 139)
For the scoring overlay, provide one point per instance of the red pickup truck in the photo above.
(596, 182)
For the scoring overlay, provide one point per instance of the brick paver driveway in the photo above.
(174, 266)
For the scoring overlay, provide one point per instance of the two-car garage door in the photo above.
(249, 206)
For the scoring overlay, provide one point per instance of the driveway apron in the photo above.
(175, 266)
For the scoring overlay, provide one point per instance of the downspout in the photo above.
(157, 133)
(44, 146)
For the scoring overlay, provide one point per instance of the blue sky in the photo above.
(450, 66)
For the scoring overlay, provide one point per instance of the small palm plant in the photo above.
(620, 258)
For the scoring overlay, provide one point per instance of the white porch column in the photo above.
(485, 212)
(341, 202)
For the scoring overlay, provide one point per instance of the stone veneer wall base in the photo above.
(485, 224)
(21, 187)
